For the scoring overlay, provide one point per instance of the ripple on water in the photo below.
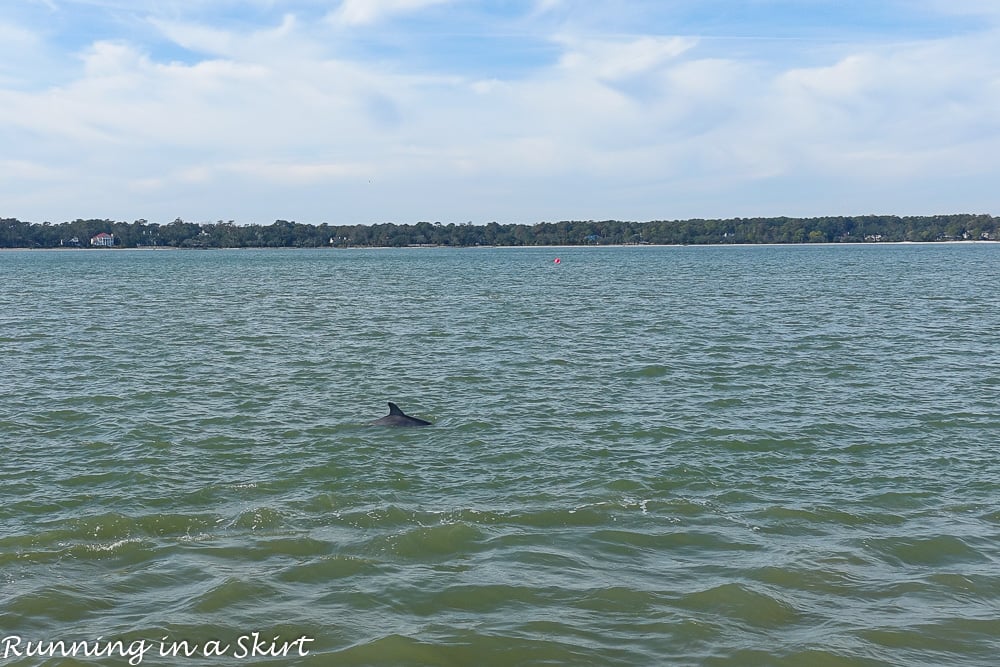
(743, 604)
(234, 592)
(328, 568)
(934, 551)
(429, 542)
(468, 647)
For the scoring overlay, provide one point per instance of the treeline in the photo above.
(283, 234)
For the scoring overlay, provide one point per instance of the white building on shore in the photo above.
(103, 240)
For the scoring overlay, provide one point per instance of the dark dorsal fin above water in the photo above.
(397, 417)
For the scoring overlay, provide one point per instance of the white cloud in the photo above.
(274, 122)
(260, 43)
(16, 36)
(21, 51)
(613, 60)
(27, 170)
(366, 12)
(545, 6)
(899, 116)
(307, 173)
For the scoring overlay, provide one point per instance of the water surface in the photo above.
(720, 456)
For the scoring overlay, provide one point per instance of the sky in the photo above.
(515, 111)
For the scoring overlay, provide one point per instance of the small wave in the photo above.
(482, 598)
(259, 518)
(945, 639)
(811, 656)
(116, 526)
(232, 592)
(558, 518)
(695, 541)
(991, 517)
(393, 517)
(968, 586)
(122, 547)
(824, 580)
(475, 648)
(297, 547)
(389, 516)
(743, 603)
(109, 526)
(620, 599)
(62, 603)
(651, 371)
(109, 535)
(430, 541)
(128, 550)
(517, 548)
(169, 525)
(792, 519)
(327, 569)
(930, 551)
(897, 500)
(722, 403)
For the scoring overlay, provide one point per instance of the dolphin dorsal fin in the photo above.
(394, 409)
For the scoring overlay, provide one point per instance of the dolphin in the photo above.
(397, 418)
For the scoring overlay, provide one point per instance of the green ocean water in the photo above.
(719, 456)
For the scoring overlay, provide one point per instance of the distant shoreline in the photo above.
(575, 233)
(512, 247)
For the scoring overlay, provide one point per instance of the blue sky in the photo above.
(364, 111)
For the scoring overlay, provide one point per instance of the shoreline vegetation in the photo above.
(15, 233)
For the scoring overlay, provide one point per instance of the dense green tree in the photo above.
(15, 233)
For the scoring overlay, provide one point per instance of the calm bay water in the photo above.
(721, 456)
